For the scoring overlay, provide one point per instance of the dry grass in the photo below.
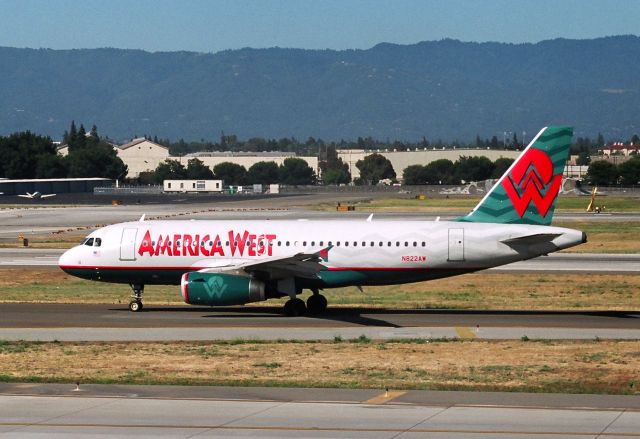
(504, 291)
(605, 237)
(471, 291)
(580, 366)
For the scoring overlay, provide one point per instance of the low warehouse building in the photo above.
(192, 185)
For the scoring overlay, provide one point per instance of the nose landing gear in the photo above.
(136, 298)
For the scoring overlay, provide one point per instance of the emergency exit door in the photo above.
(456, 245)
(128, 245)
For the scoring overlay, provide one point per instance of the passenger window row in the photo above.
(311, 243)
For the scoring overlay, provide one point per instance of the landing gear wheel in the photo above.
(295, 307)
(316, 304)
(136, 298)
(135, 306)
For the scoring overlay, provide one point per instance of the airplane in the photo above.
(224, 262)
(36, 195)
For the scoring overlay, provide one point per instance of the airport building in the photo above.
(51, 185)
(192, 186)
(142, 155)
(246, 159)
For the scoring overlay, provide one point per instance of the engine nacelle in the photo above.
(216, 289)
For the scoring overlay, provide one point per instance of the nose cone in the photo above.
(69, 259)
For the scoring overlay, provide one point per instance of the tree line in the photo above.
(603, 173)
(293, 171)
(465, 169)
(28, 155)
(582, 146)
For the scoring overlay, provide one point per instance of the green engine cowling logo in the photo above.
(216, 289)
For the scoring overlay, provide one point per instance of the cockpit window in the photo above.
(97, 242)
(88, 241)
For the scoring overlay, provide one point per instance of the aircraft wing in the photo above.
(25, 196)
(47, 195)
(306, 265)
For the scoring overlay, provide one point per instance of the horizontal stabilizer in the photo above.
(537, 238)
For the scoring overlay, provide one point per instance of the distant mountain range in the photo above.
(441, 89)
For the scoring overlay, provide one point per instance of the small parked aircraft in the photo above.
(243, 261)
(36, 195)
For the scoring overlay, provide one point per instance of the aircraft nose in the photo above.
(68, 259)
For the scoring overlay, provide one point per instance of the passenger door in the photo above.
(456, 245)
(128, 244)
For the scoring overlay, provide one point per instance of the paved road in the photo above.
(33, 410)
(39, 315)
(48, 322)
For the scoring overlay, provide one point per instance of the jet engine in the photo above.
(217, 289)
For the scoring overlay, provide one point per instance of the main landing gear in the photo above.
(136, 298)
(316, 304)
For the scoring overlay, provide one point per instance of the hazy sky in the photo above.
(214, 25)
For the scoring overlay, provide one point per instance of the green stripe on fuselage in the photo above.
(327, 278)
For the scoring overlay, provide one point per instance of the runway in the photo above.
(30, 410)
(555, 262)
(49, 322)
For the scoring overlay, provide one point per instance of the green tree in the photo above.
(602, 173)
(337, 176)
(630, 171)
(147, 178)
(375, 167)
(99, 160)
(230, 173)
(197, 170)
(169, 170)
(439, 172)
(500, 166)
(583, 158)
(473, 168)
(295, 171)
(414, 175)
(26, 155)
(334, 170)
(89, 156)
(263, 173)
(51, 166)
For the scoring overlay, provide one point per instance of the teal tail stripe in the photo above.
(527, 192)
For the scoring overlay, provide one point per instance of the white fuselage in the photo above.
(352, 252)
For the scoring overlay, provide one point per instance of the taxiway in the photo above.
(30, 410)
(49, 322)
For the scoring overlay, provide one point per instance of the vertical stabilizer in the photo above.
(528, 191)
